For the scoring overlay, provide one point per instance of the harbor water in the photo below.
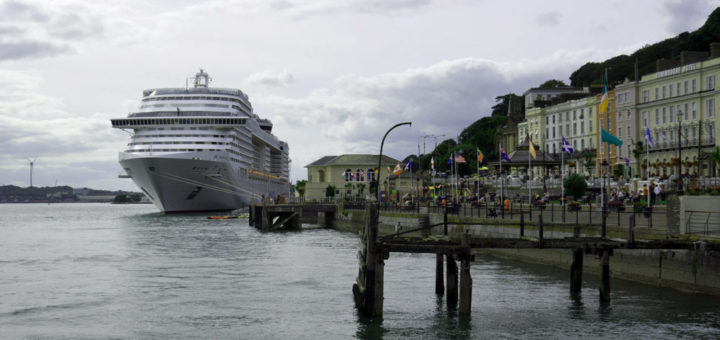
(126, 271)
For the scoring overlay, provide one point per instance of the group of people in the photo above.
(654, 193)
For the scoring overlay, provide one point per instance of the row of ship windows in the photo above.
(175, 113)
(188, 142)
(177, 135)
(199, 98)
(170, 150)
(185, 121)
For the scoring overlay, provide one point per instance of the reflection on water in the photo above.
(98, 271)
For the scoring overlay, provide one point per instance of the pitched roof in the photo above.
(353, 159)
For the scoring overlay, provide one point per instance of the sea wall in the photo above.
(687, 270)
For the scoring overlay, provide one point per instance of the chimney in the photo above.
(714, 50)
(689, 57)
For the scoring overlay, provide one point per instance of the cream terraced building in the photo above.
(350, 174)
(628, 129)
(683, 99)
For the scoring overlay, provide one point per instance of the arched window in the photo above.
(348, 175)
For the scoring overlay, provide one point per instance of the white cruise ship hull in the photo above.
(195, 182)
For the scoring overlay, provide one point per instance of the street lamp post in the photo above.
(604, 168)
(679, 150)
(377, 189)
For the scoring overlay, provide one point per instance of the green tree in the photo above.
(638, 153)
(575, 185)
(588, 161)
(715, 158)
(300, 187)
(553, 83)
(619, 171)
(330, 191)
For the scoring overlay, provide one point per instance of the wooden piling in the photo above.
(465, 278)
(576, 269)
(540, 230)
(605, 276)
(451, 280)
(368, 289)
(439, 271)
(522, 224)
(631, 232)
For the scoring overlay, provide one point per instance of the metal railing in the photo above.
(702, 222)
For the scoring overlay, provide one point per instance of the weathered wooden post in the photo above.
(424, 222)
(445, 225)
(540, 230)
(465, 278)
(451, 280)
(368, 290)
(576, 269)
(631, 233)
(439, 271)
(605, 276)
(522, 224)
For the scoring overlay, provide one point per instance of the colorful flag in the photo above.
(450, 162)
(397, 170)
(503, 155)
(604, 101)
(408, 166)
(566, 147)
(432, 163)
(627, 161)
(607, 137)
(648, 137)
(532, 149)
(480, 156)
(459, 158)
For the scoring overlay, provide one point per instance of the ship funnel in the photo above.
(202, 79)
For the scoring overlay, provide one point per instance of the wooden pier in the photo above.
(268, 216)
(373, 250)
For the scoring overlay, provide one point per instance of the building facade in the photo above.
(628, 128)
(350, 175)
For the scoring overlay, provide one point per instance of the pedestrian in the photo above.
(652, 193)
(645, 192)
(657, 194)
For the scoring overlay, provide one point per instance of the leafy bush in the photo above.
(575, 185)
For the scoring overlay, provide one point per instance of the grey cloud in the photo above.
(548, 18)
(335, 6)
(271, 78)
(29, 49)
(74, 26)
(686, 15)
(21, 12)
(10, 30)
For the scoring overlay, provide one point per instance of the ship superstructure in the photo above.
(202, 149)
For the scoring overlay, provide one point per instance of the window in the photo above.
(619, 115)
(685, 85)
(645, 96)
(553, 130)
(619, 132)
(590, 126)
(553, 119)
(628, 131)
(553, 148)
(582, 127)
(694, 110)
(693, 85)
(687, 116)
(567, 116)
(629, 152)
(677, 88)
(574, 114)
(645, 118)
(567, 129)
(657, 93)
(657, 116)
(671, 90)
(672, 109)
(628, 115)
(710, 83)
(709, 107)
(547, 133)
(664, 116)
(663, 92)
(547, 120)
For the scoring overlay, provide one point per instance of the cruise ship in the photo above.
(201, 148)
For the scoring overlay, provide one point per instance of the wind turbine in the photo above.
(32, 164)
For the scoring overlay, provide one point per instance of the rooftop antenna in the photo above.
(32, 164)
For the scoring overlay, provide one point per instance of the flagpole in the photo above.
(562, 175)
(529, 175)
(647, 159)
(501, 176)
(477, 170)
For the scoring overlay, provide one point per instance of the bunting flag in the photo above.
(648, 137)
(480, 156)
(459, 158)
(450, 162)
(607, 137)
(604, 101)
(397, 170)
(532, 149)
(627, 161)
(408, 166)
(432, 163)
(566, 147)
(503, 155)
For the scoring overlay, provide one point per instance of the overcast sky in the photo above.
(332, 75)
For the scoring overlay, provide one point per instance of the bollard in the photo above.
(540, 230)
(605, 276)
(522, 225)
(445, 223)
(439, 280)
